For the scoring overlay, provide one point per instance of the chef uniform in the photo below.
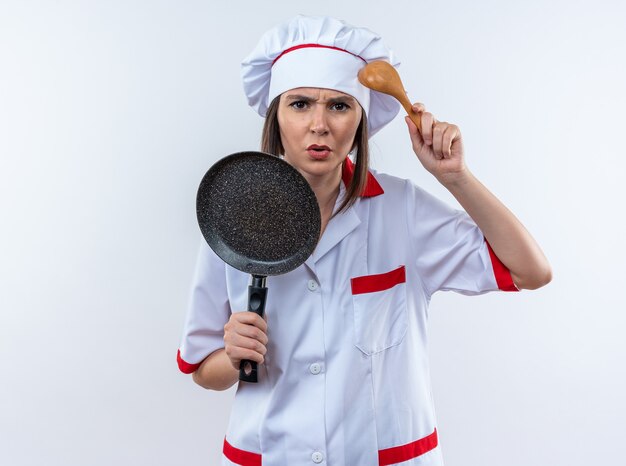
(345, 380)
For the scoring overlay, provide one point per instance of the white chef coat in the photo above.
(346, 377)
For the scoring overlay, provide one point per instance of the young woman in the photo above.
(344, 376)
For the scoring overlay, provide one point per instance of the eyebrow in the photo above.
(334, 100)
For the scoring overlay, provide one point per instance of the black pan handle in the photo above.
(257, 292)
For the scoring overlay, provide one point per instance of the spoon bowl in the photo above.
(382, 77)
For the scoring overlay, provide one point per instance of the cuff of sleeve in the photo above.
(184, 366)
(502, 274)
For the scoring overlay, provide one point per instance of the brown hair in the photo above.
(271, 143)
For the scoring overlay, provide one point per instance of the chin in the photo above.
(321, 167)
(316, 168)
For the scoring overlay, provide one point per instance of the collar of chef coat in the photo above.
(344, 223)
(372, 187)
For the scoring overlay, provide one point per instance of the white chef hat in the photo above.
(317, 51)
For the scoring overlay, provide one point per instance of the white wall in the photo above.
(111, 112)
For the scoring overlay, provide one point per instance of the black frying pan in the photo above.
(260, 216)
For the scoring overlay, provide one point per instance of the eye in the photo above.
(340, 106)
(299, 104)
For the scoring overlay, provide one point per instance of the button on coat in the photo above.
(315, 368)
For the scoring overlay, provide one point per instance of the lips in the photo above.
(318, 152)
(316, 147)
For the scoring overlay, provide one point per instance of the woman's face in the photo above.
(317, 129)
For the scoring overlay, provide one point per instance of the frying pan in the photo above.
(260, 216)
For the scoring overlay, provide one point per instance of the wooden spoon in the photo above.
(383, 77)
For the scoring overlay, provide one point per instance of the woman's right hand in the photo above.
(245, 337)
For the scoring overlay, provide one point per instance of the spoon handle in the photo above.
(413, 115)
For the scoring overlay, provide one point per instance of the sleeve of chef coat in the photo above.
(207, 313)
(450, 249)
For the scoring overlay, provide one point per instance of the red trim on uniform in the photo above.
(241, 457)
(372, 187)
(184, 366)
(409, 451)
(380, 282)
(502, 274)
(315, 46)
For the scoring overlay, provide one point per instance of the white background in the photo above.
(111, 112)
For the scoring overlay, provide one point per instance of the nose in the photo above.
(319, 124)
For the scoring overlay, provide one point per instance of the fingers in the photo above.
(450, 133)
(414, 133)
(438, 134)
(428, 123)
(444, 135)
(245, 331)
(419, 107)
(245, 337)
(238, 347)
(249, 318)
(438, 144)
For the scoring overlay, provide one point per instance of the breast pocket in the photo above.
(380, 315)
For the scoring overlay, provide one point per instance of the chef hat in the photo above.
(317, 51)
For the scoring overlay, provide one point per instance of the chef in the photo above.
(344, 372)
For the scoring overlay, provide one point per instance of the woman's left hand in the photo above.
(439, 148)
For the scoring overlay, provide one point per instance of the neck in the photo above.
(326, 190)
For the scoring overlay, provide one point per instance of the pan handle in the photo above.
(257, 292)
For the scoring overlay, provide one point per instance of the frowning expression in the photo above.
(317, 129)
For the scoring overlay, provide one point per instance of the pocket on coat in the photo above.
(380, 314)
